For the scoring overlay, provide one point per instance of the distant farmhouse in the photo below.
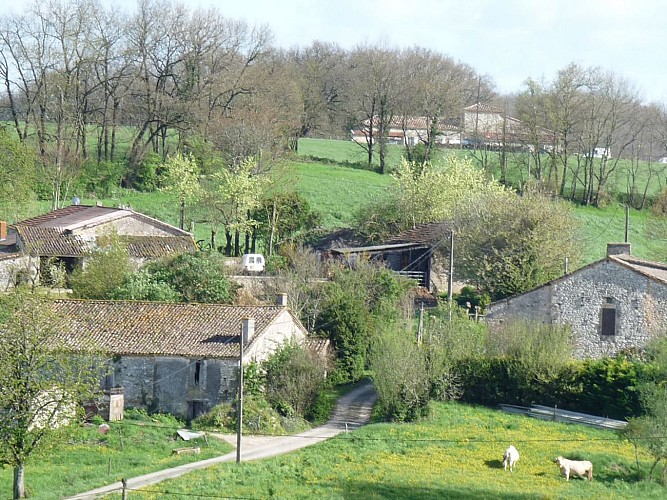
(480, 126)
(68, 235)
(176, 358)
(410, 131)
(614, 304)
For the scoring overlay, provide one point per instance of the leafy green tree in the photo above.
(143, 285)
(507, 244)
(41, 383)
(285, 217)
(197, 278)
(17, 176)
(425, 192)
(185, 278)
(106, 269)
(358, 303)
(400, 375)
(229, 197)
(293, 377)
(181, 177)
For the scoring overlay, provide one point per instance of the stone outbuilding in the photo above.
(611, 305)
(175, 358)
(65, 237)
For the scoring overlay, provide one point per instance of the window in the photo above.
(197, 372)
(608, 318)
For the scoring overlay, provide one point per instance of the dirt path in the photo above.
(352, 410)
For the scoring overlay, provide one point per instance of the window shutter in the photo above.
(608, 321)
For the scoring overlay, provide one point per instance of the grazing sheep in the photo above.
(580, 468)
(511, 457)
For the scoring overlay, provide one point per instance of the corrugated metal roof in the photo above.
(161, 329)
(377, 248)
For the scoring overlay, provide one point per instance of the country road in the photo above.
(351, 411)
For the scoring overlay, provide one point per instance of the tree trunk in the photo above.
(228, 245)
(19, 481)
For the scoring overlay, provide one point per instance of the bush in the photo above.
(294, 377)
(610, 386)
(400, 375)
(107, 268)
(258, 417)
(469, 299)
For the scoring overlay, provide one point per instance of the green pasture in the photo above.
(338, 191)
(455, 454)
(81, 458)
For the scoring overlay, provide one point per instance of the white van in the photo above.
(252, 263)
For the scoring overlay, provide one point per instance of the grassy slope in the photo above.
(84, 459)
(456, 454)
(337, 191)
(598, 226)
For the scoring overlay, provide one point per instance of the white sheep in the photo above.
(511, 457)
(580, 468)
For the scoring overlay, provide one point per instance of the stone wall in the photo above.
(173, 384)
(12, 267)
(578, 299)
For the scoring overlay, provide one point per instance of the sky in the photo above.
(508, 40)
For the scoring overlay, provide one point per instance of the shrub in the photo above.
(107, 268)
(258, 417)
(294, 376)
(400, 375)
(610, 386)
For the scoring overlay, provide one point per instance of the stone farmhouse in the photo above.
(614, 304)
(65, 237)
(176, 358)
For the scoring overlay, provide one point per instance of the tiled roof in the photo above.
(151, 247)
(656, 270)
(50, 241)
(159, 329)
(484, 108)
(429, 234)
(414, 123)
(318, 345)
(73, 214)
(54, 234)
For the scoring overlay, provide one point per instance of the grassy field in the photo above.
(455, 454)
(83, 459)
(338, 191)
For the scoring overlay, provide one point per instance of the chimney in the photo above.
(3, 230)
(618, 249)
(247, 329)
(281, 299)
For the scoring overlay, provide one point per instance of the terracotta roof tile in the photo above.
(48, 234)
(160, 329)
(429, 234)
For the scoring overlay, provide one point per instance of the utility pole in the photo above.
(239, 410)
(450, 284)
(420, 329)
(627, 221)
